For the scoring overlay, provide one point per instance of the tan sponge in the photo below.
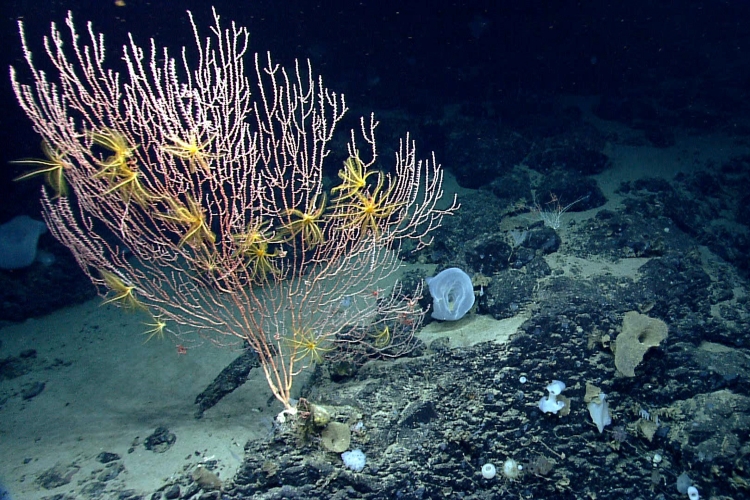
(639, 334)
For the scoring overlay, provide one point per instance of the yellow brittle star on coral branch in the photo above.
(353, 177)
(367, 210)
(307, 223)
(53, 169)
(119, 291)
(122, 152)
(382, 338)
(157, 329)
(127, 183)
(190, 150)
(253, 245)
(192, 215)
(306, 344)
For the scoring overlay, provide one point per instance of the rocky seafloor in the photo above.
(673, 250)
(429, 422)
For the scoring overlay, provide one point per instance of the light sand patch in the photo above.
(472, 329)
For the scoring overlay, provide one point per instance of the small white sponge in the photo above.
(354, 459)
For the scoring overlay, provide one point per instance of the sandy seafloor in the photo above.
(105, 390)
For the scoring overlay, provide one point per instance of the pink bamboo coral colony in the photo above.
(191, 188)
